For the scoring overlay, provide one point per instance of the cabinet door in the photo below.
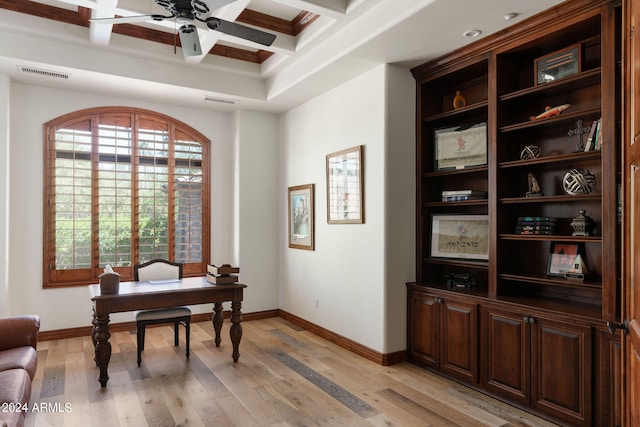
(506, 354)
(423, 329)
(459, 339)
(561, 370)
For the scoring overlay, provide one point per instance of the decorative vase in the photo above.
(459, 101)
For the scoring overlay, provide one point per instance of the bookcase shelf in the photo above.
(497, 77)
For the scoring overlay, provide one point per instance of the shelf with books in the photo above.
(563, 198)
(551, 237)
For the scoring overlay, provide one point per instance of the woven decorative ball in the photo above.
(579, 181)
(530, 152)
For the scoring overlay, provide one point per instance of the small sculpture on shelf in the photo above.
(578, 270)
(579, 181)
(459, 101)
(550, 112)
(534, 187)
(579, 131)
(582, 225)
(530, 152)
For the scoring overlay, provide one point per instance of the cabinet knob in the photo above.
(529, 319)
(532, 320)
(439, 300)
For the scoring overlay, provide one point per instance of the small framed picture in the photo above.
(562, 257)
(460, 147)
(558, 65)
(460, 236)
(301, 217)
(345, 186)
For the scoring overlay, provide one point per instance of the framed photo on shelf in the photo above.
(460, 147)
(345, 186)
(558, 65)
(301, 217)
(460, 236)
(562, 257)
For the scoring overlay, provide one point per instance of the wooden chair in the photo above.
(160, 269)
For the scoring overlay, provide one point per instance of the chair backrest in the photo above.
(157, 269)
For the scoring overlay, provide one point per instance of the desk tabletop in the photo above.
(161, 286)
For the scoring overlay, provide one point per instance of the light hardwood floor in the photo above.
(285, 377)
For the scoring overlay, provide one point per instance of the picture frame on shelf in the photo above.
(460, 236)
(345, 186)
(460, 147)
(301, 217)
(562, 256)
(558, 65)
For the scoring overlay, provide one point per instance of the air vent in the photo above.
(220, 100)
(45, 73)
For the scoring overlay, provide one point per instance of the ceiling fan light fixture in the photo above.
(189, 40)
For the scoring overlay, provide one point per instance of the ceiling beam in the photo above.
(335, 9)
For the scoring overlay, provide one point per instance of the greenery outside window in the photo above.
(123, 186)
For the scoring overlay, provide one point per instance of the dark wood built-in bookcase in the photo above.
(532, 338)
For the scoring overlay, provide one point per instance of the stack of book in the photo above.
(462, 195)
(536, 225)
(225, 274)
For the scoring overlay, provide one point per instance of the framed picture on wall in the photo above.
(345, 186)
(301, 217)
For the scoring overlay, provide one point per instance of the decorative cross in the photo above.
(579, 131)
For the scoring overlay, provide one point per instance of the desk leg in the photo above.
(217, 321)
(94, 331)
(103, 347)
(236, 328)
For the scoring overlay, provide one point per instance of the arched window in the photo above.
(123, 186)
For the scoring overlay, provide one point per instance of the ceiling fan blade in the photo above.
(189, 40)
(217, 4)
(241, 31)
(129, 19)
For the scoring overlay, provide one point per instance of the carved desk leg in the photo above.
(236, 328)
(217, 322)
(94, 331)
(103, 347)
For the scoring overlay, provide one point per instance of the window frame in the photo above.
(56, 278)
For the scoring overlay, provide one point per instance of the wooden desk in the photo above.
(162, 294)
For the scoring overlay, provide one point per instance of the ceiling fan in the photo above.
(185, 12)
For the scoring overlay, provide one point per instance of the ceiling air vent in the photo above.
(220, 100)
(45, 73)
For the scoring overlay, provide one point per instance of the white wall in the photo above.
(30, 107)
(357, 271)
(5, 89)
(255, 213)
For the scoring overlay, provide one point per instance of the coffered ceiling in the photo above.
(318, 44)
